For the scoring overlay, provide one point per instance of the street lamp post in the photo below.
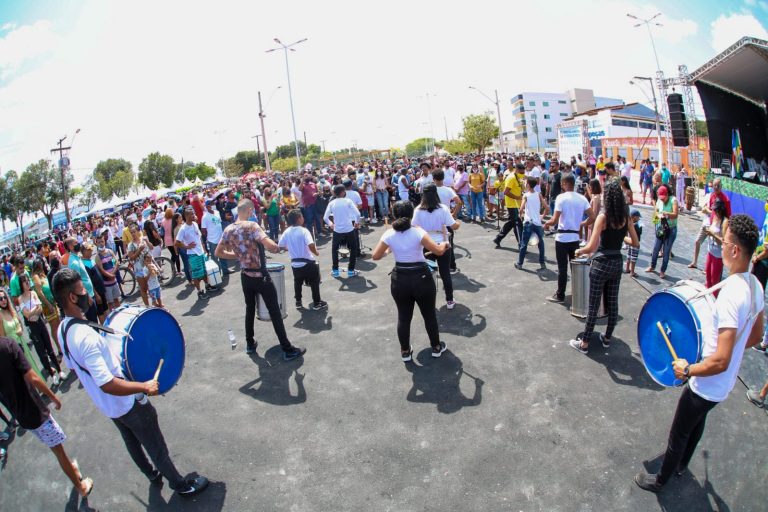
(285, 49)
(655, 107)
(502, 144)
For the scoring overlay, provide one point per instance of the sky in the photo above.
(181, 76)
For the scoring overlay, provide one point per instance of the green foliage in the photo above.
(479, 130)
(231, 168)
(455, 147)
(88, 195)
(419, 146)
(283, 164)
(313, 150)
(157, 169)
(114, 176)
(701, 128)
(201, 171)
(40, 188)
(289, 150)
(249, 159)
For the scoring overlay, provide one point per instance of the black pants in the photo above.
(310, 274)
(352, 244)
(175, 258)
(119, 250)
(564, 252)
(444, 267)
(38, 332)
(409, 288)
(604, 281)
(760, 269)
(514, 223)
(253, 286)
(453, 256)
(685, 433)
(140, 429)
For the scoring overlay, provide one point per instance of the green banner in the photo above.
(745, 188)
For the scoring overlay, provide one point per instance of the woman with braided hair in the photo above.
(612, 228)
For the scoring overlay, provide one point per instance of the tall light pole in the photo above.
(655, 106)
(429, 115)
(498, 115)
(63, 168)
(285, 48)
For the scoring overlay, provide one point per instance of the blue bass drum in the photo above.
(153, 334)
(686, 317)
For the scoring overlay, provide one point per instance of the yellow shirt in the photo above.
(600, 166)
(476, 180)
(513, 184)
(127, 237)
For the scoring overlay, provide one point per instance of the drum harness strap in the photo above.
(80, 321)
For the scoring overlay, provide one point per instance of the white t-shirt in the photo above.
(536, 173)
(402, 186)
(296, 193)
(95, 353)
(211, 223)
(571, 206)
(423, 182)
(532, 212)
(433, 222)
(448, 180)
(297, 239)
(447, 195)
(189, 233)
(626, 170)
(345, 214)
(405, 245)
(736, 307)
(354, 196)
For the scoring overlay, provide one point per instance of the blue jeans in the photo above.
(478, 205)
(465, 205)
(529, 228)
(667, 245)
(382, 198)
(222, 263)
(185, 262)
(274, 227)
(311, 219)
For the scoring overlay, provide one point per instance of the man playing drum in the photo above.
(123, 401)
(738, 324)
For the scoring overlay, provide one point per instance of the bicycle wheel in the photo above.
(166, 275)
(128, 278)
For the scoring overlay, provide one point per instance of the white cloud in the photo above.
(750, 3)
(728, 29)
(7, 26)
(24, 43)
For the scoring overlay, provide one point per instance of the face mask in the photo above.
(82, 302)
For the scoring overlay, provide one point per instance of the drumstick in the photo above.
(159, 367)
(666, 339)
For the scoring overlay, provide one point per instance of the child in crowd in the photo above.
(153, 283)
(297, 240)
(634, 252)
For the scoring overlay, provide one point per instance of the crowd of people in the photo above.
(63, 288)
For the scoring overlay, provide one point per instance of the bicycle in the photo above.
(127, 280)
(166, 273)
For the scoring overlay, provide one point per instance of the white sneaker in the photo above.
(63, 375)
(56, 379)
(450, 304)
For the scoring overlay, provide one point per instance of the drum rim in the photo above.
(696, 321)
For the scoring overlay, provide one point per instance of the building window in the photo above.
(546, 116)
(531, 103)
(548, 129)
(545, 103)
(561, 102)
(519, 96)
(563, 114)
(624, 122)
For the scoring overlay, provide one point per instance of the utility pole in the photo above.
(323, 143)
(445, 122)
(498, 115)
(63, 171)
(263, 134)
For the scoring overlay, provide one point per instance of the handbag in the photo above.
(662, 229)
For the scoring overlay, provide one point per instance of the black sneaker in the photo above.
(454, 270)
(497, 243)
(299, 305)
(250, 348)
(605, 341)
(156, 479)
(556, 298)
(407, 356)
(294, 353)
(209, 288)
(647, 482)
(518, 266)
(321, 304)
(201, 295)
(438, 350)
(193, 486)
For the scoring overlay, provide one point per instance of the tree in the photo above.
(249, 159)
(419, 146)
(289, 150)
(114, 177)
(181, 170)
(157, 169)
(314, 150)
(88, 194)
(701, 128)
(12, 205)
(231, 168)
(455, 147)
(40, 186)
(479, 130)
(201, 171)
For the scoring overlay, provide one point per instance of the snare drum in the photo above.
(153, 334)
(685, 318)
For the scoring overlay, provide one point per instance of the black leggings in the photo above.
(604, 281)
(685, 433)
(564, 252)
(444, 267)
(760, 269)
(38, 332)
(409, 288)
(119, 249)
(175, 259)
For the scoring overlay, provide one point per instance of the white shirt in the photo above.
(405, 245)
(571, 206)
(423, 182)
(536, 173)
(297, 239)
(626, 170)
(402, 186)
(736, 307)
(296, 193)
(532, 212)
(449, 173)
(189, 233)
(447, 195)
(354, 196)
(433, 222)
(97, 355)
(211, 223)
(345, 214)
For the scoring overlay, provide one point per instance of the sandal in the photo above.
(691, 265)
(88, 482)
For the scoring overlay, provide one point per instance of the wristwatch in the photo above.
(687, 371)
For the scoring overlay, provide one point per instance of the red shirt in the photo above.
(714, 196)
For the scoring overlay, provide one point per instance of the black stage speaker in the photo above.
(677, 120)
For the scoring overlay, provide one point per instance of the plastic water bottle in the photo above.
(232, 339)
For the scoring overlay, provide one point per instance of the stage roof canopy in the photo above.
(742, 69)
